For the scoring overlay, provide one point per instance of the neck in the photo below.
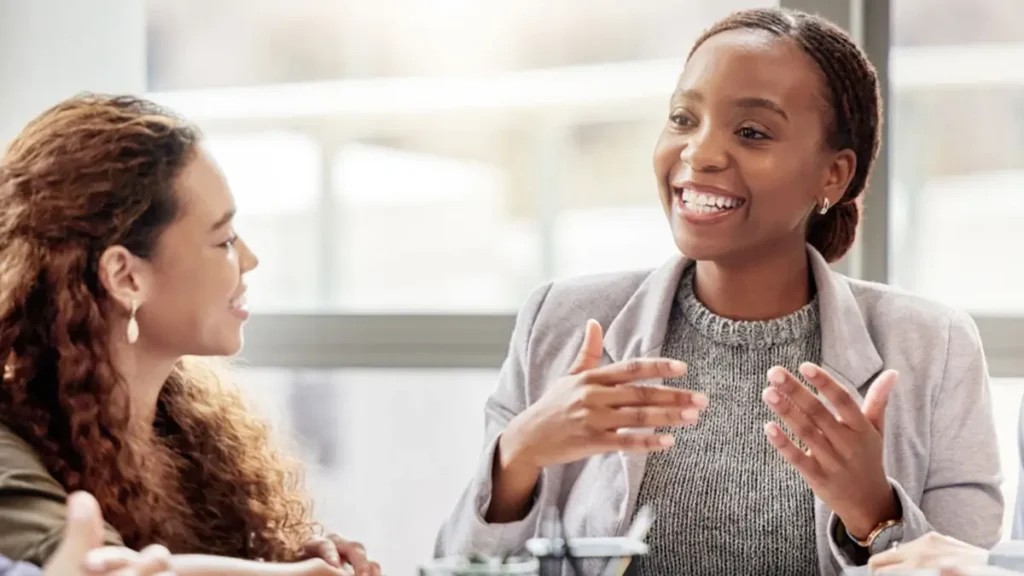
(769, 285)
(145, 374)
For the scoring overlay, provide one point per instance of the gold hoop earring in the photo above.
(133, 324)
(824, 207)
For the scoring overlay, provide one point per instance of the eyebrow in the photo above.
(223, 220)
(746, 102)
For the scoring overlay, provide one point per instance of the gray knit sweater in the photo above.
(725, 501)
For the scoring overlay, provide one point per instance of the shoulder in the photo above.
(31, 502)
(938, 342)
(18, 460)
(897, 311)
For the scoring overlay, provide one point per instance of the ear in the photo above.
(123, 275)
(838, 174)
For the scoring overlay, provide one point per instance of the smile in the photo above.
(707, 203)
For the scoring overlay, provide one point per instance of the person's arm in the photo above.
(962, 497)
(467, 529)
(33, 510)
(111, 559)
(201, 565)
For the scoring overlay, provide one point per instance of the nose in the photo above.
(705, 150)
(247, 260)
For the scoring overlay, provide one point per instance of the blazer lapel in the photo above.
(848, 354)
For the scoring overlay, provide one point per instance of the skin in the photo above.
(932, 550)
(187, 294)
(748, 118)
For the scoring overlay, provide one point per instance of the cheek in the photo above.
(666, 156)
(781, 186)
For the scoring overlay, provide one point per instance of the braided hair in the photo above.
(855, 108)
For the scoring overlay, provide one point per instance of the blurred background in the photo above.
(408, 170)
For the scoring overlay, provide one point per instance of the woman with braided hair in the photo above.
(119, 269)
(781, 418)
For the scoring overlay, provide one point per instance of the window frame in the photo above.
(332, 341)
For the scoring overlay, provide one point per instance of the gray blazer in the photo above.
(940, 441)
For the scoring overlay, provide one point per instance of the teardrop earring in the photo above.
(133, 324)
(824, 207)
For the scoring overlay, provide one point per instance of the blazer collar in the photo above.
(846, 347)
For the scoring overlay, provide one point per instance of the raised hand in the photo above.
(583, 413)
(843, 462)
(587, 412)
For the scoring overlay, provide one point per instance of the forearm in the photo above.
(513, 483)
(202, 565)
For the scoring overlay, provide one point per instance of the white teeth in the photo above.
(703, 203)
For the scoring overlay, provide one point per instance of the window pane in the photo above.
(388, 451)
(431, 159)
(1007, 394)
(958, 151)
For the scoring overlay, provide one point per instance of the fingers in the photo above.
(811, 430)
(83, 532)
(630, 395)
(892, 557)
(154, 560)
(591, 351)
(804, 400)
(836, 394)
(807, 466)
(635, 370)
(354, 554)
(323, 548)
(110, 558)
(642, 417)
(878, 397)
(632, 442)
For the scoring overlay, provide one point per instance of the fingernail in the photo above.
(678, 366)
(809, 370)
(667, 441)
(699, 400)
(775, 376)
(771, 396)
(771, 430)
(691, 415)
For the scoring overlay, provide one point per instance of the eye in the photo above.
(230, 243)
(751, 134)
(680, 120)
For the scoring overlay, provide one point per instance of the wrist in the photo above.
(860, 526)
(515, 455)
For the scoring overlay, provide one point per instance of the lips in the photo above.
(239, 302)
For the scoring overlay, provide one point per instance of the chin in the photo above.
(233, 346)
(700, 247)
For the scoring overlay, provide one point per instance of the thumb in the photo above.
(83, 532)
(878, 397)
(592, 349)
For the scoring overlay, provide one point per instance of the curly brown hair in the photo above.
(93, 172)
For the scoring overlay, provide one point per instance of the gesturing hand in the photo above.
(338, 552)
(581, 414)
(843, 462)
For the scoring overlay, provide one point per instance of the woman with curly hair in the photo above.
(119, 267)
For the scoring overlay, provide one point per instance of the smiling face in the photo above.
(743, 160)
(191, 289)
